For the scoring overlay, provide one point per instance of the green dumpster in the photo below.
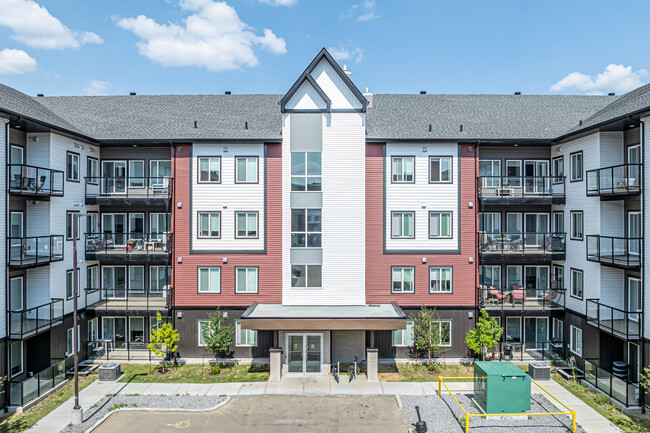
(501, 387)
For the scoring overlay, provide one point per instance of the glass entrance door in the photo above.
(113, 177)
(634, 171)
(114, 282)
(634, 298)
(535, 332)
(295, 351)
(537, 281)
(634, 232)
(536, 173)
(633, 359)
(304, 353)
(536, 228)
(114, 329)
(114, 229)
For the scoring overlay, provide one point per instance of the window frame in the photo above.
(451, 168)
(402, 212)
(554, 224)
(307, 267)
(90, 161)
(557, 324)
(451, 224)
(198, 168)
(440, 322)
(69, 225)
(451, 279)
(198, 280)
(257, 281)
(555, 164)
(129, 280)
(238, 332)
(582, 218)
(392, 282)
(67, 272)
(402, 344)
(393, 160)
(257, 170)
(70, 339)
(575, 271)
(306, 175)
(92, 329)
(257, 220)
(573, 177)
(74, 156)
(572, 343)
(97, 278)
(307, 231)
(200, 229)
(199, 335)
(22, 358)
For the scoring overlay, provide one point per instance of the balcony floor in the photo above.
(528, 304)
(622, 261)
(131, 304)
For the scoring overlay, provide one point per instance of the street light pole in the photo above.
(77, 412)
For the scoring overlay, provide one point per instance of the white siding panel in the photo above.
(612, 218)
(334, 87)
(612, 282)
(645, 143)
(3, 228)
(38, 152)
(38, 219)
(306, 98)
(38, 286)
(611, 149)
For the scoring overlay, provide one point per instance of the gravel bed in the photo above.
(443, 414)
(113, 402)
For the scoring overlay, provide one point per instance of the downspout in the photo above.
(476, 235)
(173, 248)
(7, 355)
(642, 142)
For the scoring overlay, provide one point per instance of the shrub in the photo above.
(215, 369)
(432, 367)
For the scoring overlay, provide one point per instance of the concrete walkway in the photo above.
(590, 420)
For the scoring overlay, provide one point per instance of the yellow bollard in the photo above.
(573, 415)
(439, 386)
(466, 423)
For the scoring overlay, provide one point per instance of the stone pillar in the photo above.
(372, 359)
(275, 364)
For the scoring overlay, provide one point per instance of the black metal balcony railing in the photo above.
(529, 350)
(521, 186)
(522, 243)
(120, 349)
(615, 251)
(616, 180)
(137, 243)
(35, 181)
(129, 187)
(128, 299)
(626, 392)
(22, 392)
(616, 321)
(519, 298)
(32, 321)
(35, 250)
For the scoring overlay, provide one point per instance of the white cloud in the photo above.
(364, 11)
(34, 26)
(16, 62)
(617, 78)
(346, 53)
(212, 36)
(279, 2)
(97, 87)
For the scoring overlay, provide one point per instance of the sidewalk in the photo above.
(58, 419)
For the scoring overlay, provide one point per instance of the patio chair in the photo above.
(518, 294)
(495, 295)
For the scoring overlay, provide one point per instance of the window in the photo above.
(202, 326)
(69, 346)
(245, 337)
(404, 337)
(72, 166)
(577, 283)
(558, 222)
(490, 171)
(440, 225)
(16, 293)
(159, 171)
(440, 169)
(576, 166)
(440, 279)
(558, 330)
(210, 224)
(246, 280)
(403, 169)
(160, 224)
(444, 332)
(69, 220)
(159, 278)
(558, 277)
(246, 225)
(16, 350)
(136, 279)
(403, 279)
(577, 228)
(575, 345)
(136, 329)
(403, 225)
(306, 172)
(210, 280)
(210, 170)
(92, 277)
(69, 282)
(92, 225)
(136, 174)
(246, 169)
(155, 324)
(489, 222)
(93, 330)
(306, 228)
(558, 169)
(93, 171)
(306, 276)
(489, 276)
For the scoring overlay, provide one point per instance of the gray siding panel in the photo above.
(511, 152)
(306, 132)
(306, 256)
(306, 200)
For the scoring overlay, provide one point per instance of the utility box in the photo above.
(501, 387)
(109, 371)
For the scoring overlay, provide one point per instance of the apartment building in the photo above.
(320, 222)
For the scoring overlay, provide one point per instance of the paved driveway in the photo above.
(271, 414)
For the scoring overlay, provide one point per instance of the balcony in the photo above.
(625, 392)
(615, 321)
(22, 392)
(129, 190)
(26, 323)
(520, 299)
(521, 190)
(35, 182)
(124, 299)
(34, 251)
(499, 247)
(615, 182)
(617, 252)
(121, 247)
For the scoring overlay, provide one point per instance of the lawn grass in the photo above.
(193, 373)
(419, 373)
(20, 422)
(627, 423)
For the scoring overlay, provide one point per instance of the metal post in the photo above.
(439, 386)
(573, 424)
(75, 221)
(466, 423)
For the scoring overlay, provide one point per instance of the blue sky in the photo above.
(75, 47)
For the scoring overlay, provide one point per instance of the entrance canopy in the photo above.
(370, 317)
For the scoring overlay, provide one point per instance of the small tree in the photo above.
(163, 340)
(486, 334)
(428, 333)
(217, 337)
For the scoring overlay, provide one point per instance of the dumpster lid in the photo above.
(499, 368)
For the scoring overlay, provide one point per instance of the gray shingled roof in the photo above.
(482, 116)
(171, 117)
(24, 105)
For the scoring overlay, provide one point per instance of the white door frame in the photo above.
(304, 350)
